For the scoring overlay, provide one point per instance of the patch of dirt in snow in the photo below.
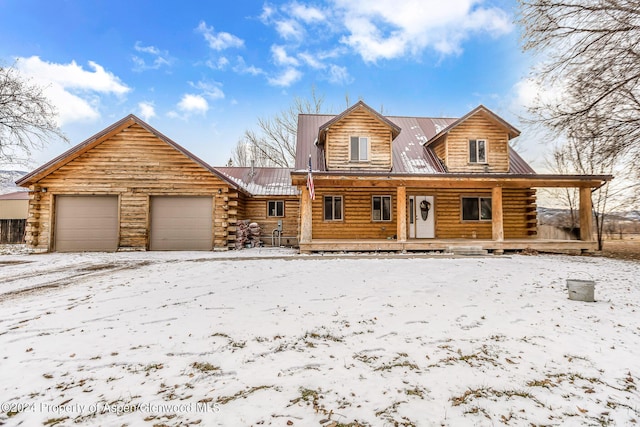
(148, 339)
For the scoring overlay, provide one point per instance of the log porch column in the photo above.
(497, 222)
(586, 215)
(401, 200)
(306, 216)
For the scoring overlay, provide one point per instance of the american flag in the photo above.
(312, 193)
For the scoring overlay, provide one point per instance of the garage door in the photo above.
(181, 224)
(86, 223)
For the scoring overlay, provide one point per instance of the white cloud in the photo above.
(306, 13)
(311, 60)
(267, 12)
(221, 64)
(147, 110)
(527, 93)
(289, 29)
(210, 90)
(242, 68)
(221, 40)
(159, 58)
(280, 56)
(387, 29)
(288, 77)
(339, 75)
(72, 89)
(193, 104)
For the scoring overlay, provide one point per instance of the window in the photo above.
(275, 208)
(476, 208)
(477, 151)
(359, 149)
(333, 208)
(381, 208)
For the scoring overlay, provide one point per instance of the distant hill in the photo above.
(615, 223)
(7, 181)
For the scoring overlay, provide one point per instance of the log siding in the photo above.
(256, 211)
(133, 164)
(456, 154)
(359, 123)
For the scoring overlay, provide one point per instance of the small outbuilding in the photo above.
(14, 209)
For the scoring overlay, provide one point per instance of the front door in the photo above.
(421, 217)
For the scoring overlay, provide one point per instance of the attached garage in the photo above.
(160, 196)
(181, 223)
(86, 223)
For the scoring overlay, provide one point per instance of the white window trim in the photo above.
(382, 196)
(486, 151)
(360, 138)
(276, 202)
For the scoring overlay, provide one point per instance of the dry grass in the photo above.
(628, 249)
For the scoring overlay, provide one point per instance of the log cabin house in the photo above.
(129, 187)
(418, 183)
(380, 183)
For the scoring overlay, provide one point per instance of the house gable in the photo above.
(358, 139)
(481, 130)
(132, 161)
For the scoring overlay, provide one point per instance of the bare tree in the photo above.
(27, 117)
(591, 64)
(586, 157)
(274, 144)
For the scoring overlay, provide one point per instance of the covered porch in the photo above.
(402, 186)
(446, 245)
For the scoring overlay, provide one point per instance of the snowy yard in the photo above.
(188, 338)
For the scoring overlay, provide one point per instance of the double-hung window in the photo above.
(275, 208)
(477, 151)
(359, 149)
(476, 208)
(333, 208)
(381, 208)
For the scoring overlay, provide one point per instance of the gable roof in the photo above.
(513, 132)
(395, 130)
(262, 181)
(102, 136)
(409, 153)
(412, 153)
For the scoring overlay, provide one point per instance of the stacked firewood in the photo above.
(247, 234)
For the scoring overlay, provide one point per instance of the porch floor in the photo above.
(541, 245)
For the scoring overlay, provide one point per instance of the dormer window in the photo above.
(359, 149)
(477, 151)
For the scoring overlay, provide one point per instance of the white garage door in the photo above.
(181, 223)
(86, 223)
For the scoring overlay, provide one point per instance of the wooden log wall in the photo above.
(358, 123)
(256, 211)
(478, 126)
(519, 214)
(357, 221)
(134, 164)
(440, 149)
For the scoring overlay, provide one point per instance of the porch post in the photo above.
(401, 200)
(306, 216)
(586, 216)
(497, 223)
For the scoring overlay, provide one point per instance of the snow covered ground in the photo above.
(276, 339)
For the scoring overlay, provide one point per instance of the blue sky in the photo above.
(203, 72)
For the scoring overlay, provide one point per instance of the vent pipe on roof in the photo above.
(252, 173)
